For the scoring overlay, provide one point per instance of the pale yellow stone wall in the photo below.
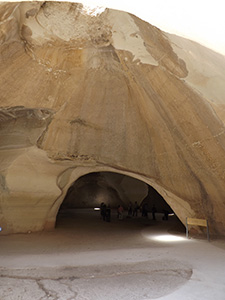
(80, 94)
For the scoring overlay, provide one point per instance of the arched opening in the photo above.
(92, 189)
(85, 196)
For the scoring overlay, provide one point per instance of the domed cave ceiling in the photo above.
(85, 92)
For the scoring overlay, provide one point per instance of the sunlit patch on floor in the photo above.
(167, 238)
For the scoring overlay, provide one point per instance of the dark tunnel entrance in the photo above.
(85, 195)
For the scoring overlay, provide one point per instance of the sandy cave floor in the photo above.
(88, 259)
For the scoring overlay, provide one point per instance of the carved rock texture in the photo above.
(86, 91)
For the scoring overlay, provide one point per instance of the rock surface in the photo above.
(86, 91)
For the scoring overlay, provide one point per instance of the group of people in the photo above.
(145, 211)
(132, 211)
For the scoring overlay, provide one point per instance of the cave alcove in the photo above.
(88, 192)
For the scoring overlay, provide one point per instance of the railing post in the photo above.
(186, 228)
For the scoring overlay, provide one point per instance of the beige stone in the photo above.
(85, 93)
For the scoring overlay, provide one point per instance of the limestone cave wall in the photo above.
(83, 92)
